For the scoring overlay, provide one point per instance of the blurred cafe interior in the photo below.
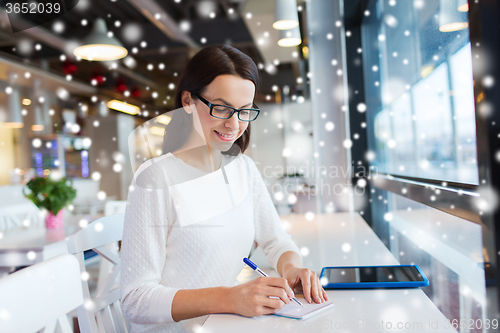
(378, 122)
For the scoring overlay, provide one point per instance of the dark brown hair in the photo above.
(200, 71)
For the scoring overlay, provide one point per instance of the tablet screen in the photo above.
(373, 274)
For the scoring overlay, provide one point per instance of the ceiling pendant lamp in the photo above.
(123, 107)
(46, 115)
(99, 46)
(163, 119)
(14, 118)
(102, 109)
(463, 6)
(450, 19)
(285, 14)
(290, 37)
(38, 125)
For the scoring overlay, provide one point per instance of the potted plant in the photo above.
(53, 195)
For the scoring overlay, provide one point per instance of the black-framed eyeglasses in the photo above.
(225, 111)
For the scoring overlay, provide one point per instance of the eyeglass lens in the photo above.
(224, 112)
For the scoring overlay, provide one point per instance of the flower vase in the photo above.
(54, 221)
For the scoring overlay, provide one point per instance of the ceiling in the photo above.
(164, 35)
(260, 25)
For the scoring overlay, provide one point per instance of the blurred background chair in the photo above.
(19, 215)
(102, 312)
(40, 296)
(111, 208)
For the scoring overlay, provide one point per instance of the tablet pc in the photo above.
(395, 276)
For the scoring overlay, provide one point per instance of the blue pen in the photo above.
(255, 268)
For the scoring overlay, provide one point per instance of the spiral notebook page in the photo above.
(295, 311)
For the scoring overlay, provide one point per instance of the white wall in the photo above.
(279, 127)
(329, 104)
(6, 153)
(266, 140)
(105, 149)
(284, 129)
(298, 132)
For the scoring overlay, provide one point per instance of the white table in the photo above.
(26, 246)
(342, 239)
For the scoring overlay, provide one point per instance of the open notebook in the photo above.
(295, 311)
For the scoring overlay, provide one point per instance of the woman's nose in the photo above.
(233, 122)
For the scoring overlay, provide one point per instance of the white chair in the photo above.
(16, 215)
(40, 296)
(101, 314)
(112, 207)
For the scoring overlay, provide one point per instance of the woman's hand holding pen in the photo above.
(307, 280)
(252, 298)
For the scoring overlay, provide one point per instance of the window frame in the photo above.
(484, 19)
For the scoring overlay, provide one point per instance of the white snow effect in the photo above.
(361, 182)
(25, 47)
(31, 255)
(130, 62)
(185, 25)
(99, 227)
(488, 81)
(391, 143)
(96, 176)
(370, 155)
(419, 4)
(390, 20)
(309, 216)
(287, 152)
(101, 195)
(271, 69)
(37, 143)
(204, 8)
(346, 247)
(58, 27)
(62, 93)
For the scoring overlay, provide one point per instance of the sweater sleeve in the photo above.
(143, 253)
(269, 232)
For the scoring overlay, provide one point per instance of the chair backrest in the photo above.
(101, 314)
(40, 296)
(19, 215)
(111, 207)
(115, 207)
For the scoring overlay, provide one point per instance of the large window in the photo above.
(448, 249)
(419, 92)
(422, 141)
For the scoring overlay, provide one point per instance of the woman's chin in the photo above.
(221, 146)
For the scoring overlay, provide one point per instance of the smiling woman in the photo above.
(195, 212)
(200, 72)
(214, 122)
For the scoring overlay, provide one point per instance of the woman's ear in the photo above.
(186, 101)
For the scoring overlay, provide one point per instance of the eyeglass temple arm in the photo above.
(202, 99)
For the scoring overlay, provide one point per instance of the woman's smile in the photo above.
(225, 136)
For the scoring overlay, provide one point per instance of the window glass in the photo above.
(419, 92)
(448, 249)
(433, 125)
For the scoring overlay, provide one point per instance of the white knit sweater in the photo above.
(186, 229)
